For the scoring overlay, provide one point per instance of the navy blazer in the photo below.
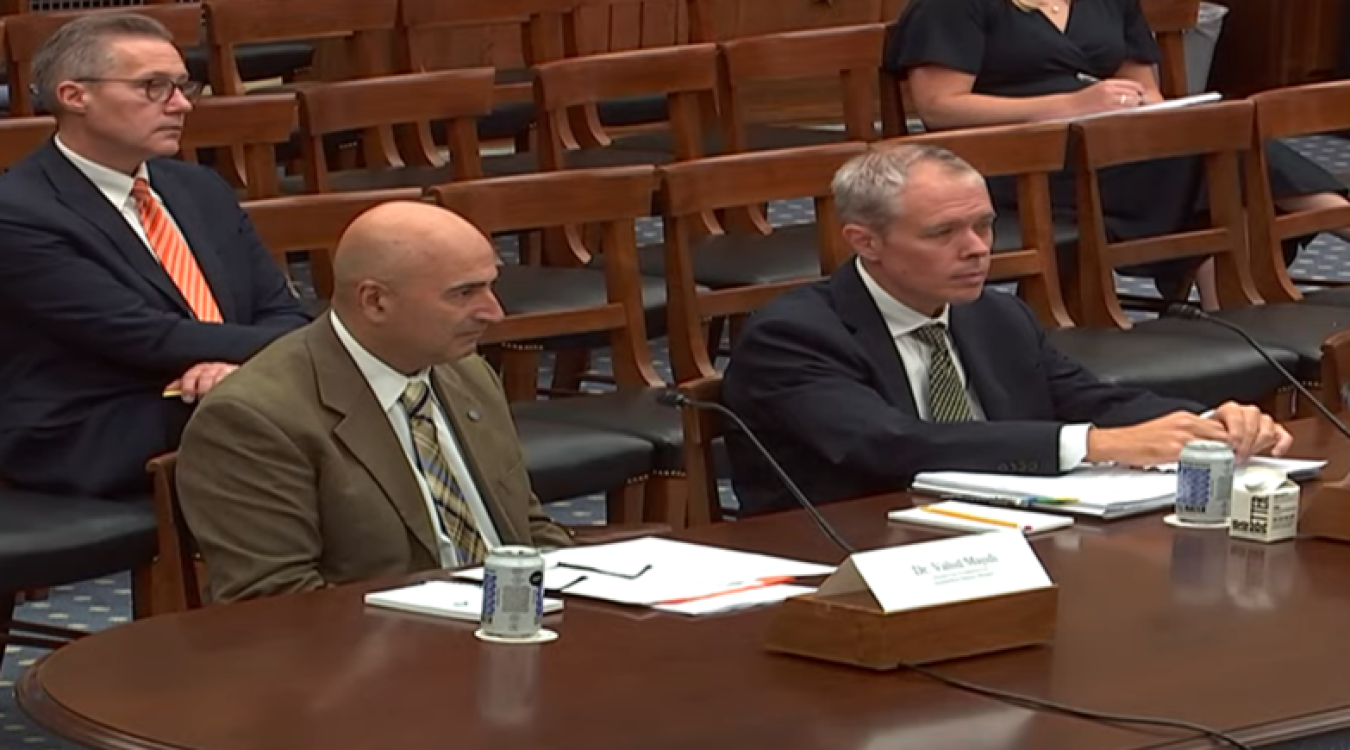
(92, 328)
(816, 375)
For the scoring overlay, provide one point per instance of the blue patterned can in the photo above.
(513, 593)
(1205, 483)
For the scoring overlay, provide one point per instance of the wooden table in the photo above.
(1190, 626)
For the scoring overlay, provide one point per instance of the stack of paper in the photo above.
(1101, 491)
(670, 575)
(460, 601)
(959, 516)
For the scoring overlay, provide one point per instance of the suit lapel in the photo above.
(458, 404)
(855, 307)
(77, 193)
(975, 346)
(364, 430)
(190, 222)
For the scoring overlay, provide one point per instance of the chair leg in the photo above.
(667, 500)
(624, 504)
(569, 369)
(520, 373)
(7, 599)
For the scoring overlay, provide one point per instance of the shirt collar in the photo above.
(385, 382)
(901, 319)
(113, 184)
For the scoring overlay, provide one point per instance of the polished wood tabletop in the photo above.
(1188, 625)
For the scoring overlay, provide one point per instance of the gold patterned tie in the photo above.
(456, 519)
(947, 400)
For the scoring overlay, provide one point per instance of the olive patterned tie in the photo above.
(947, 400)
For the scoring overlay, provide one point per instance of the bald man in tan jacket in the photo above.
(304, 469)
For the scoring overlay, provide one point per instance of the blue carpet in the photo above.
(94, 605)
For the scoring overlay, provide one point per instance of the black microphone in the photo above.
(1191, 312)
(675, 399)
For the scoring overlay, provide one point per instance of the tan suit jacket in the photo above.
(291, 477)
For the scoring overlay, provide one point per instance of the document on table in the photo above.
(678, 576)
(1162, 106)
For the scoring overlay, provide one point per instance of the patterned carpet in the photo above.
(105, 602)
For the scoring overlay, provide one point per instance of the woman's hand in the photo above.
(1109, 95)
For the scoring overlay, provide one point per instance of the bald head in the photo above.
(395, 241)
(413, 283)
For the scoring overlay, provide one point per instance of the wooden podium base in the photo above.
(851, 628)
(1327, 513)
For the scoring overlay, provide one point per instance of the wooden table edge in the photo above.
(48, 713)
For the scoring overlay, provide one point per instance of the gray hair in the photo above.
(79, 49)
(867, 188)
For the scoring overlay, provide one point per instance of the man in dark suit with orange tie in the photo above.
(130, 283)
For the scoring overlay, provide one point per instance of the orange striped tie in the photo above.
(174, 254)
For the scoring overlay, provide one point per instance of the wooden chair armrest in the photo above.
(618, 532)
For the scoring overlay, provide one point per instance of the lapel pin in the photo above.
(473, 415)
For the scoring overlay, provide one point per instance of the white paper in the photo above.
(1178, 103)
(1097, 490)
(1294, 468)
(674, 570)
(460, 601)
(739, 600)
(941, 572)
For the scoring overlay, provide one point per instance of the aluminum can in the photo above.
(513, 593)
(1205, 482)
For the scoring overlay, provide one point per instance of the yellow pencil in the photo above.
(969, 517)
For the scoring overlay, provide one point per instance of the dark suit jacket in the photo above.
(816, 375)
(92, 328)
(291, 478)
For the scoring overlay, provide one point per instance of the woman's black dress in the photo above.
(1016, 53)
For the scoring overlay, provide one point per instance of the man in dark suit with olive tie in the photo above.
(903, 363)
(130, 284)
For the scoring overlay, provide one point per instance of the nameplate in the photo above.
(941, 572)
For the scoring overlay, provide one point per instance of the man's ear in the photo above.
(70, 97)
(864, 242)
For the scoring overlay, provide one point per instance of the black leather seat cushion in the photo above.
(538, 289)
(566, 460)
(1297, 327)
(588, 158)
(1201, 368)
(352, 180)
(1008, 236)
(630, 412)
(758, 138)
(257, 62)
(1331, 297)
(735, 260)
(50, 540)
(511, 119)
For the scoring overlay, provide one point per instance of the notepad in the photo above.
(1162, 106)
(459, 601)
(1100, 491)
(958, 516)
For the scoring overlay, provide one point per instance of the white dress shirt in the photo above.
(388, 385)
(902, 321)
(116, 187)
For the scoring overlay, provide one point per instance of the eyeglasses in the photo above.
(157, 90)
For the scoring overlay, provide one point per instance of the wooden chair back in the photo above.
(1170, 19)
(509, 35)
(26, 33)
(695, 188)
(411, 100)
(1286, 113)
(853, 53)
(21, 136)
(683, 74)
(1220, 134)
(612, 199)
(723, 20)
(233, 22)
(1336, 371)
(255, 124)
(1030, 153)
(313, 224)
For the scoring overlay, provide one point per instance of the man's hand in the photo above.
(199, 379)
(1251, 432)
(1157, 441)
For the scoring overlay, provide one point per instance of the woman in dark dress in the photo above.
(994, 62)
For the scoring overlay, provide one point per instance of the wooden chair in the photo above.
(457, 97)
(1219, 134)
(231, 23)
(612, 199)
(1336, 371)
(256, 125)
(1286, 113)
(692, 189)
(25, 34)
(21, 136)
